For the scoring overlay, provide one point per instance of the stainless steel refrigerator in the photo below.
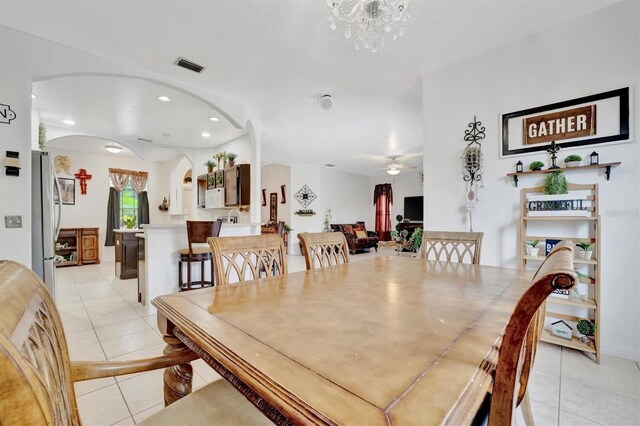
(45, 217)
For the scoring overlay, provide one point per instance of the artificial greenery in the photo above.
(536, 165)
(416, 239)
(586, 327)
(555, 183)
(129, 221)
(572, 157)
(42, 136)
(210, 165)
(585, 245)
(533, 243)
(232, 156)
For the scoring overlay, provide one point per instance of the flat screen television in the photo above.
(414, 208)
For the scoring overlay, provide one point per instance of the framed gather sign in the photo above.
(590, 120)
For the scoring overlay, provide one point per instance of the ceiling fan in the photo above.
(395, 167)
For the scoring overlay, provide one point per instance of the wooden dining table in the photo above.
(387, 340)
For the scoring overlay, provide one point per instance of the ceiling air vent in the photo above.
(191, 66)
(330, 165)
(145, 140)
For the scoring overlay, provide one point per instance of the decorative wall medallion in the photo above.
(305, 196)
(6, 114)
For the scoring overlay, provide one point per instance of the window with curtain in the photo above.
(128, 206)
(382, 199)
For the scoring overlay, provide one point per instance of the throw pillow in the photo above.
(347, 229)
(361, 234)
(360, 226)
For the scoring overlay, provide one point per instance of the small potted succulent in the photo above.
(536, 165)
(210, 165)
(232, 158)
(532, 249)
(572, 160)
(586, 252)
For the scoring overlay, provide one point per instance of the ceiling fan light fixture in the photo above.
(393, 170)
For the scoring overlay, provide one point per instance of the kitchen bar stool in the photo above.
(197, 233)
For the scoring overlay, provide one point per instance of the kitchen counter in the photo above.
(161, 259)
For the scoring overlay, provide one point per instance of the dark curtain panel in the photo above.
(143, 208)
(113, 217)
(382, 199)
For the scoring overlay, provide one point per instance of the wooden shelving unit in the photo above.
(588, 306)
(606, 166)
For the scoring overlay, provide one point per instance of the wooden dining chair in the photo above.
(197, 233)
(37, 376)
(323, 249)
(518, 348)
(248, 257)
(461, 247)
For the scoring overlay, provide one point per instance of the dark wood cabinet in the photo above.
(237, 185)
(78, 246)
(141, 274)
(126, 255)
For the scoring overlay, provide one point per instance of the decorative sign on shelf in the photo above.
(549, 244)
(567, 124)
(571, 123)
(305, 196)
(559, 205)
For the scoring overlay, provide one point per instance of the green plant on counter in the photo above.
(536, 165)
(585, 245)
(555, 183)
(533, 243)
(572, 157)
(129, 222)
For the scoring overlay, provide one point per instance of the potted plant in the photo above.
(416, 239)
(232, 158)
(555, 183)
(572, 160)
(536, 165)
(221, 156)
(585, 253)
(129, 222)
(532, 249)
(210, 165)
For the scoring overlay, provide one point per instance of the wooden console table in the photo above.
(78, 246)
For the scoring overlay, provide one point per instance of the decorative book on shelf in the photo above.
(550, 219)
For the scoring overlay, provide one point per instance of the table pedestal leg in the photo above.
(177, 379)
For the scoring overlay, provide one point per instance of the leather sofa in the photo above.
(356, 243)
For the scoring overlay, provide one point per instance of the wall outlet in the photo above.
(13, 221)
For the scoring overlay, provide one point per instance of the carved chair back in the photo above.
(199, 231)
(461, 247)
(247, 258)
(324, 249)
(36, 385)
(518, 348)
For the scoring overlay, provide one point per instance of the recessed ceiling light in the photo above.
(33, 96)
(205, 135)
(113, 148)
(164, 98)
(216, 119)
(69, 122)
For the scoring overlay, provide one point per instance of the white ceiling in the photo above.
(94, 145)
(126, 109)
(279, 56)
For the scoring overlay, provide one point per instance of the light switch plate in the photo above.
(13, 221)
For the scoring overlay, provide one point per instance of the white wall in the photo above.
(347, 195)
(90, 210)
(273, 177)
(405, 184)
(590, 55)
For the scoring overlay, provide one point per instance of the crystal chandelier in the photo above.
(370, 21)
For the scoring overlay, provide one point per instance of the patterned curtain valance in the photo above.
(119, 178)
(383, 189)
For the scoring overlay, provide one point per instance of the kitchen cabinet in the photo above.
(126, 253)
(78, 246)
(237, 185)
(90, 245)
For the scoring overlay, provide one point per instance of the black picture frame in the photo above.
(622, 135)
(67, 190)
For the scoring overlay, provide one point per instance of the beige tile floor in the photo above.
(104, 321)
